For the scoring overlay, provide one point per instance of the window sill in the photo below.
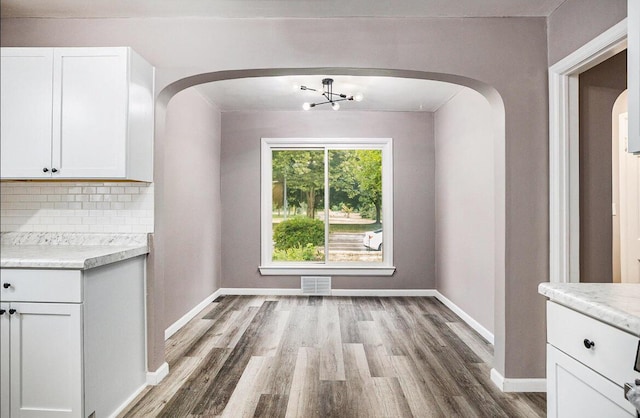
(327, 270)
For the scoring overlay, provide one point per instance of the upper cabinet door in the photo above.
(26, 102)
(90, 112)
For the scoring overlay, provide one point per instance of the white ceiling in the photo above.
(276, 8)
(283, 93)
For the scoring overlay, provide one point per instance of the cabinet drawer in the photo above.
(40, 285)
(613, 353)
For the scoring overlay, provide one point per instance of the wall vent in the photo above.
(316, 285)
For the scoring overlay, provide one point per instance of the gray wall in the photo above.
(191, 203)
(504, 57)
(465, 211)
(413, 177)
(576, 22)
(599, 89)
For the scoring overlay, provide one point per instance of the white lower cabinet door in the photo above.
(4, 361)
(575, 390)
(46, 360)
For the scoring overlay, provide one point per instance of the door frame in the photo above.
(564, 182)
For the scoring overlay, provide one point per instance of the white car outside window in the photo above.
(373, 240)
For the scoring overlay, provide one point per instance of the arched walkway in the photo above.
(156, 280)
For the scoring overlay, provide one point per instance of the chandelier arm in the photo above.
(321, 103)
(330, 101)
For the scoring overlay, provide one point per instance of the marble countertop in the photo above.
(615, 304)
(68, 251)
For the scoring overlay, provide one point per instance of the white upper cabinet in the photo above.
(26, 119)
(99, 104)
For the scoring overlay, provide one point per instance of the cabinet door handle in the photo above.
(2, 311)
(45, 170)
(12, 311)
(6, 285)
(588, 343)
(54, 170)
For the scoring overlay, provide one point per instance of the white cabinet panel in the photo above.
(91, 112)
(26, 102)
(114, 335)
(46, 360)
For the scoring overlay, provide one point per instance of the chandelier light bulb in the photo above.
(306, 106)
(335, 106)
(358, 97)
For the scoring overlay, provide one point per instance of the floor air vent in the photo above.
(316, 285)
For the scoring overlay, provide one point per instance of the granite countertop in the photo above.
(613, 303)
(67, 250)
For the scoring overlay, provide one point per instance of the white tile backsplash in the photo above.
(76, 207)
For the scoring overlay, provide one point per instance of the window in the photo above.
(327, 206)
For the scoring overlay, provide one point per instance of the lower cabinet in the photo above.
(42, 347)
(588, 363)
(72, 342)
(575, 390)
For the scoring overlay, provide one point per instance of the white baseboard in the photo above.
(383, 292)
(334, 292)
(518, 385)
(259, 291)
(175, 327)
(486, 334)
(154, 378)
(128, 401)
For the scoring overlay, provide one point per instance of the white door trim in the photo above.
(564, 210)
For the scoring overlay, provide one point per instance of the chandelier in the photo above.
(332, 98)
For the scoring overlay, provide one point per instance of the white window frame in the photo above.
(270, 268)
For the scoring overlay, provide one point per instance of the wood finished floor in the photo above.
(265, 356)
